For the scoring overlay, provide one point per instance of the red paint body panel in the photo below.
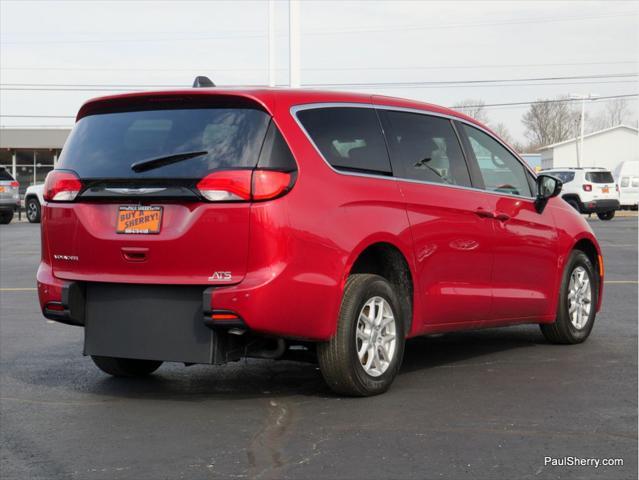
(290, 256)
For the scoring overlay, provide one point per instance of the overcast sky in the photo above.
(147, 43)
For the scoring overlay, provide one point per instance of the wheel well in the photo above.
(30, 196)
(589, 249)
(387, 261)
(571, 196)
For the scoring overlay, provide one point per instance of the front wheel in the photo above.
(365, 354)
(126, 367)
(577, 302)
(33, 210)
(606, 215)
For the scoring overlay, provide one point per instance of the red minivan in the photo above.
(207, 225)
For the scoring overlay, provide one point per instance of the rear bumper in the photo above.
(9, 207)
(597, 206)
(151, 322)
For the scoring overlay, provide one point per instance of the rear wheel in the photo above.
(126, 367)
(365, 354)
(606, 215)
(33, 210)
(577, 302)
(6, 217)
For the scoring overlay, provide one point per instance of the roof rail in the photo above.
(202, 82)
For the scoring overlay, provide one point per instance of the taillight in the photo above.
(14, 184)
(61, 186)
(225, 186)
(587, 187)
(244, 185)
(269, 184)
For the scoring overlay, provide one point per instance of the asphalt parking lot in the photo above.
(484, 404)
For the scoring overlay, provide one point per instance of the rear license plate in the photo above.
(138, 219)
(605, 190)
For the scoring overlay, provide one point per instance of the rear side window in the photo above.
(599, 177)
(106, 145)
(635, 181)
(625, 182)
(349, 138)
(500, 170)
(4, 175)
(565, 177)
(425, 148)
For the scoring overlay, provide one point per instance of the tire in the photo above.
(338, 358)
(6, 217)
(574, 204)
(126, 367)
(33, 210)
(609, 215)
(563, 330)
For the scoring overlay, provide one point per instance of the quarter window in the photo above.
(500, 170)
(425, 148)
(625, 181)
(349, 138)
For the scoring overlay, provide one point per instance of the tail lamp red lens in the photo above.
(61, 186)
(15, 184)
(244, 185)
(587, 187)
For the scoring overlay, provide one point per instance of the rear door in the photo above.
(602, 184)
(104, 235)
(8, 189)
(525, 243)
(452, 238)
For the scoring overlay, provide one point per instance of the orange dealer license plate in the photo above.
(138, 219)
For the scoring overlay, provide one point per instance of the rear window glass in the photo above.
(565, 177)
(599, 177)
(349, 138)
(106, 145)
(4, 175)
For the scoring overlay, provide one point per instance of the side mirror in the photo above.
(547, 187)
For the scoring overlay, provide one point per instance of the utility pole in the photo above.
(271, 43)
(583, 98)
(294, 43)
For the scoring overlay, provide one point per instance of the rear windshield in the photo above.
(565, 177)
(599, 177)
(4, 175)
(106, 145)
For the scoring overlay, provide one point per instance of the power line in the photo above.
(315, 69)
(320, 32)
(487, 105)
(11, 86)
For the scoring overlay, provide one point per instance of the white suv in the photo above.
(33, 202)
(589, 190)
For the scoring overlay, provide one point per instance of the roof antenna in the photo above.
(202, 82)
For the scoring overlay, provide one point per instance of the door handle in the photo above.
(484, 213)
(502, 217)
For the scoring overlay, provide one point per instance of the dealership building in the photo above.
(604, 149)
(30, 153)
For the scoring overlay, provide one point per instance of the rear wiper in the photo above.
(151, 163)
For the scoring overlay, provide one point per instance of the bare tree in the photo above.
(550, 121)
(473, 108)
(617, 111)
(502, 130)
